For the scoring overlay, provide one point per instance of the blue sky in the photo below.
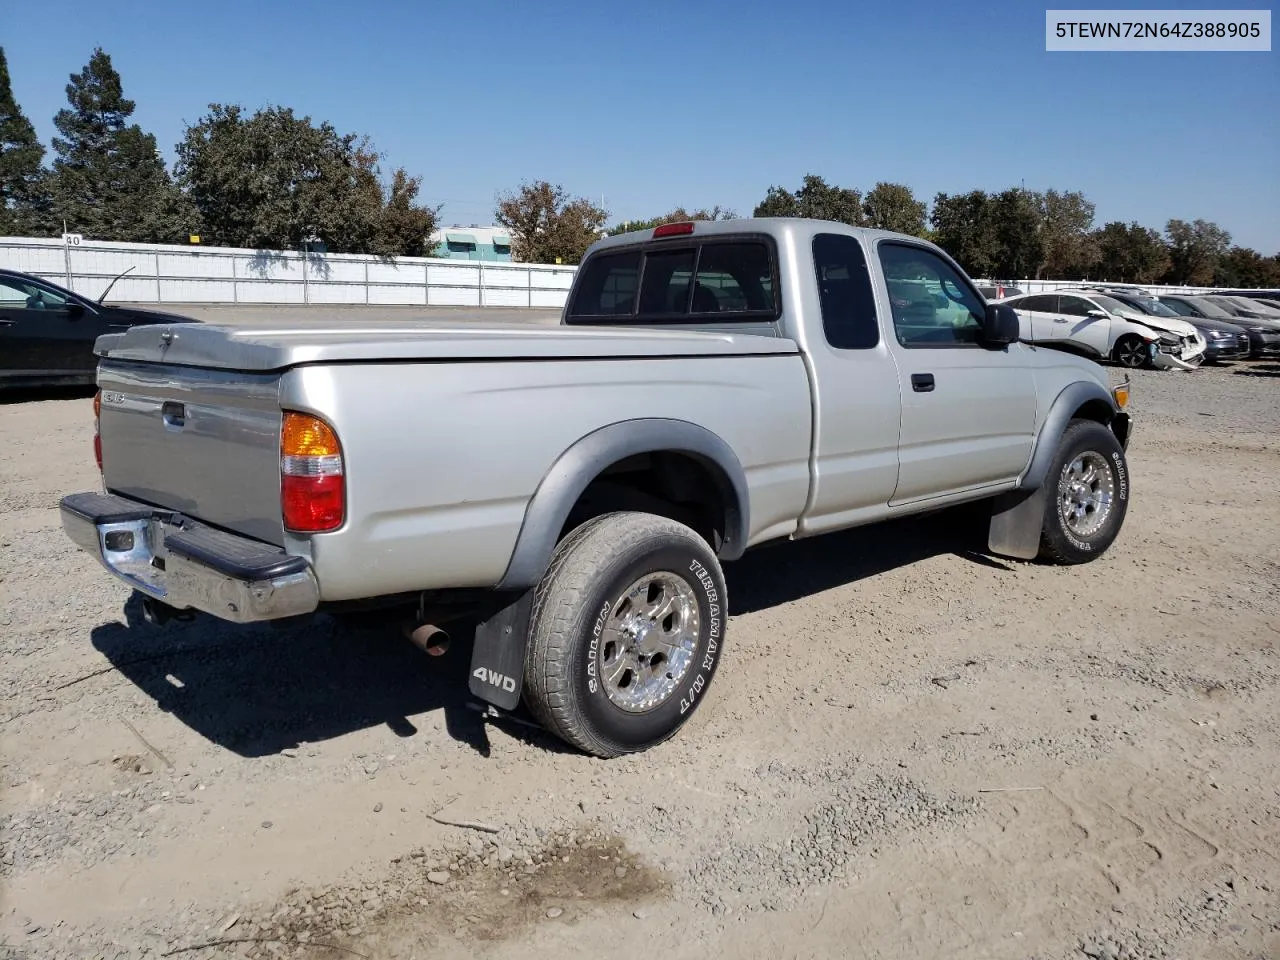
(658, 104)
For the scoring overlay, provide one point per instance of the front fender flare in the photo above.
(1017, 516)
(1065, 404)
(582, 462)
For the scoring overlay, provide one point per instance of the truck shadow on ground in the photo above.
(257, 690)
(19, 395)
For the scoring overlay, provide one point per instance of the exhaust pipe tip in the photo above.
(428, 638)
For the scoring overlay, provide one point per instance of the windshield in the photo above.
(1210, 309)
(1155, 307)
(1116, 307)
(1253, 306)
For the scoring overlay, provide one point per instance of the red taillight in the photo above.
(97, 435)
(312, 481)
(673, 230)
(312, 504)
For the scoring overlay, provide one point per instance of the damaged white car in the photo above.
(1103, 328)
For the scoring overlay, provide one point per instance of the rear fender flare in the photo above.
(581, 463)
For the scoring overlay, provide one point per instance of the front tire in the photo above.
(1089, 495)
(1131, 351)
(626, 633)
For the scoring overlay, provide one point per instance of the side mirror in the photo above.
(1100, 314)
(1000, 326)
(75, 310)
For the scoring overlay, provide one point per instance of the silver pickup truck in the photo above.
(572, 491)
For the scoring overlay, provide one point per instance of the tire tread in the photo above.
(558, 603)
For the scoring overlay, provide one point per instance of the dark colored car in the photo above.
(1223, 339)
(1264, 335)
(1252, 294)
(47, 332)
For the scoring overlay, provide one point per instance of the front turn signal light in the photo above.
(1121, 394)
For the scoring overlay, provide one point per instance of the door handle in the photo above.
(1061, 320)
(6, 323)
(922, 382)
(174, 415)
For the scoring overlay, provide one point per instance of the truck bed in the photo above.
(447, 429)
(283, 345)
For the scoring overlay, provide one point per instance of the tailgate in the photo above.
(205, 443)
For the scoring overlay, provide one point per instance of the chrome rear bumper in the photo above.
(188, 565)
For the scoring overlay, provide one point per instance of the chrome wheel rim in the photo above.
(648, 643)
(1086, 492)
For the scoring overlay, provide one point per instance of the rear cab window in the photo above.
(724, 278)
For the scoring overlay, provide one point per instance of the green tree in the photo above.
(1194, 251)
(21, 156)
(678, 215)
(1068, 250)
(1245, 267)
(547, 225)
(892, 206)
(963, 226)
(404, 227)
(108, 178)
(1130, 253)
(274, 180)
(815, 199)
(1016, 220)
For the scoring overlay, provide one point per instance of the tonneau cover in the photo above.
(281, 345)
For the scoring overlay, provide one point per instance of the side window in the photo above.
(932, 306)
(1178, 307)
(844, 292)
(16, 295)
(608, 286)
(665, 285)
(1039, 304)
(1074, 306)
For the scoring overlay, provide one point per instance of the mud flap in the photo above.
(1017, 518)
(497, 661)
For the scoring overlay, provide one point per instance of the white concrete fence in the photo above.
(186, 274)
(189, 274)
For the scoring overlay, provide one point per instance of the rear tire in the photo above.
(626, 633)
(1089, 495)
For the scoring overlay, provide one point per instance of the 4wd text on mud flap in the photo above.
(494, 678)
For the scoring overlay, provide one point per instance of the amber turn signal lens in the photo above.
(312, 483)
(1122, 396)
(306, 436)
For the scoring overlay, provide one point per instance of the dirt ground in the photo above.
(911, 749)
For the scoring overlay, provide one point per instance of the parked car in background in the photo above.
(1101, 327)
(1258, 294)
(994, 290)
(1264, 334)
(1239, 307)
(1264, 337)
(1223, 340)
(1252, 305)
(47, 332)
